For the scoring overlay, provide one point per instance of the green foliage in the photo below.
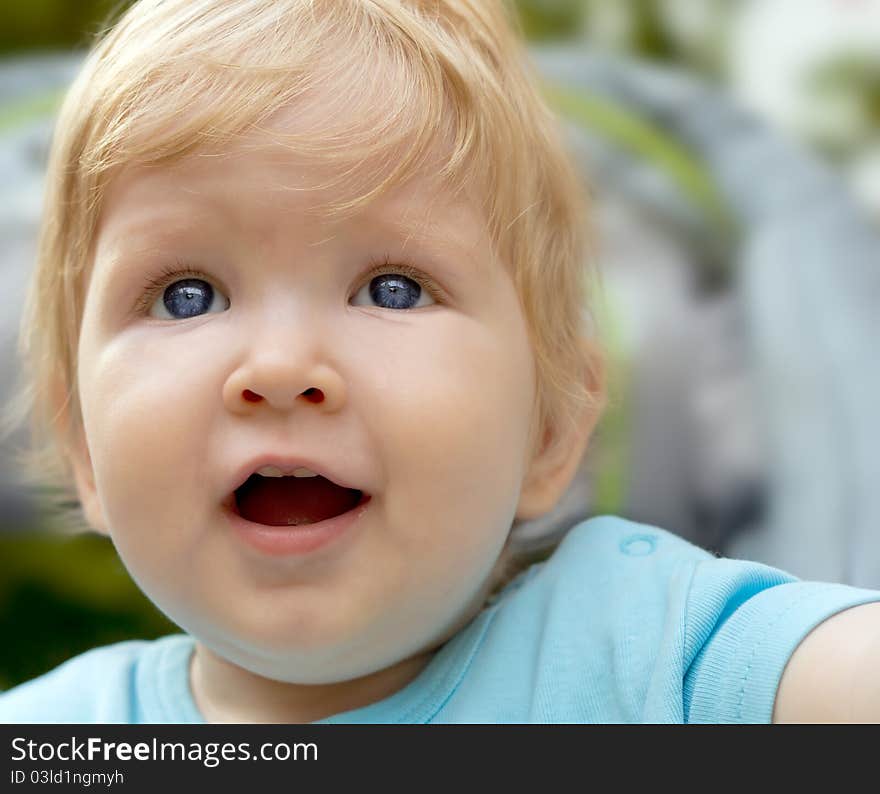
(646, 141)
(52, 24)
(61, 596)
(543, 20)
(851, 84)
(71, 24)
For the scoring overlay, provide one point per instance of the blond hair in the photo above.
(174, 77)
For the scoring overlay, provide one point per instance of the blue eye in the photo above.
(395, 291)
(189, 297)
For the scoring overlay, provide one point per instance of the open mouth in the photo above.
(293, 501)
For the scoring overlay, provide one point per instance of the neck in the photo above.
(227, 693)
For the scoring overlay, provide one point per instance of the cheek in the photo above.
(452, 418)
(147, 414)
(453, 430)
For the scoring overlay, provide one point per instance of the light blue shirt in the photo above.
(624, 623)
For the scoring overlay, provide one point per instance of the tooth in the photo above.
(303, 472)
(270, 471)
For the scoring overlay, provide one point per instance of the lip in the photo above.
(293, 541)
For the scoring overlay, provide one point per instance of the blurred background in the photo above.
(733, 151)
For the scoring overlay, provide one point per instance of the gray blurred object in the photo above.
(751, 417)
(806, 291)
(27, 84)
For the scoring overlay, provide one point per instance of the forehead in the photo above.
(341, 146)
(263, 186)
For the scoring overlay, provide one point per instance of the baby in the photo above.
(306, 338)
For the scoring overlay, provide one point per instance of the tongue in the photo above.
(288, 501)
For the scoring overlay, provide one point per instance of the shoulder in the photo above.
(721, 629)
(614, 558)
(98, 686)
(609, 540)
(608, 558)
(592, 634)
(685, 634)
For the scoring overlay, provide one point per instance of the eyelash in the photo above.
(179, 271)
(164, 278)
(402, 268)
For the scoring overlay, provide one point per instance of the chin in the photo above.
(315, 668)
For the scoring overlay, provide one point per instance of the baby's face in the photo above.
(278, 343)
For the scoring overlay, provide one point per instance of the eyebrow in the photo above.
(427, 232)
(154, 233)
(154, 228)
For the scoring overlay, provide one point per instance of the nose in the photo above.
(281, 378)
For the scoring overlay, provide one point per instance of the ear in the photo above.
(557, 456)
(77, 452)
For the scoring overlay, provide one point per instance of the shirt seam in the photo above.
(744, 680)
